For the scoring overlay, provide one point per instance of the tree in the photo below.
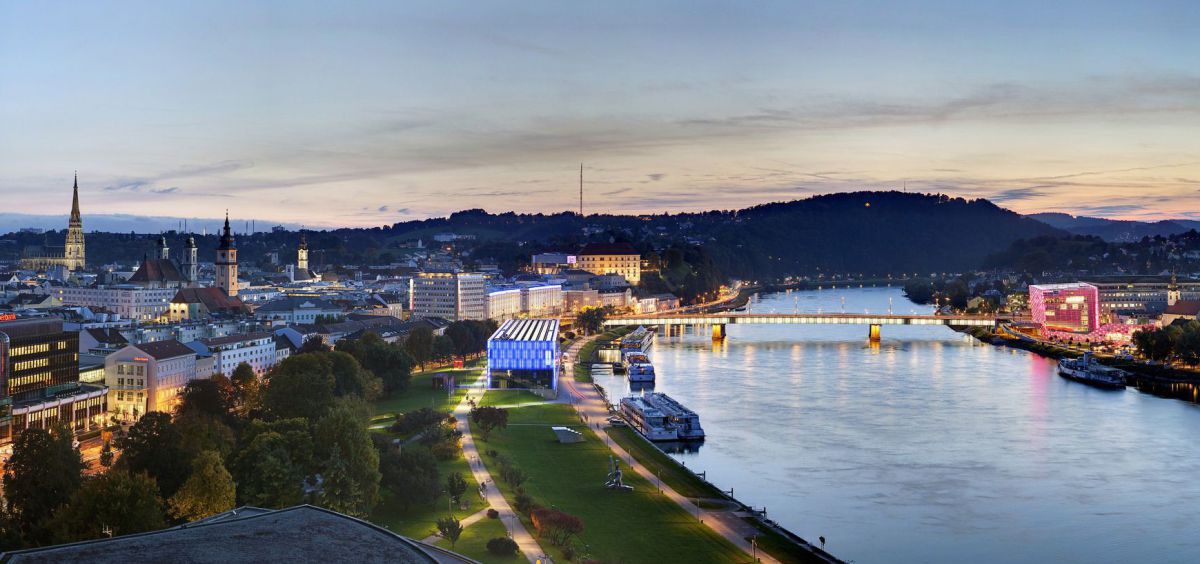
(460, 334)
(199, 432)
(300, 386)
(247, 388)
(443, 348)
(208, 396)
(349, 377)
(419, 344)
(559, 526)
(410, 476)
(268, 474)
(154, 446)
(42, 474)
(591, 319)
(487, 418)
(345, 446)
(313, 344)
(450, 529)
(116, 503)
(456, 486)
(208, 491)
(106, 455)
(390, 363)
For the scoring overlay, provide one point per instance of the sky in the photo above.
(364, 113)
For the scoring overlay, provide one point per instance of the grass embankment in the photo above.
(587, 353)
(421, 393)
(473, 542)
(689, 485)
(642, 525)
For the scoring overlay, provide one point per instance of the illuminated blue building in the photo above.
(524, 354)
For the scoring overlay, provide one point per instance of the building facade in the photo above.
(1073, 307)
(503, 303)
(256, 349)
(147, 377)
(542, 301)
(451, 295)
(1141, 296)
(524, 354)
(612, 258)
(39, 380)
(131, 302)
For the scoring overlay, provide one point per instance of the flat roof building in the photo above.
(1073, 307)
(524, 354)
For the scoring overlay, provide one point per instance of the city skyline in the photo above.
(391, 113)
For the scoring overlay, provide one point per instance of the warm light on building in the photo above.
(1073, 307)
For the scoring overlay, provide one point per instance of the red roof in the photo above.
(1185, 307)
(608, 249)
(156, 270)
(213, 299)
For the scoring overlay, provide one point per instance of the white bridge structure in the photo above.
(874, 322)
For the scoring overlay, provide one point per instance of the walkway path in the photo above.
(529, 546)
(465, 522)
(592, 407)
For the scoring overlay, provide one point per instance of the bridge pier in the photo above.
(873, 332)
(718, 332)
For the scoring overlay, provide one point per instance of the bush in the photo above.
(493, 514)
(502, 546)
(412, 422)
(523, 502)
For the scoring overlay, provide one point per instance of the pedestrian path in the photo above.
(529, 546)
(465, 522)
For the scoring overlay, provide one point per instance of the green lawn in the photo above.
(420, 392)
(641, 525)
(473, 542)
(420, 522)
(510, 398)
(665, 467)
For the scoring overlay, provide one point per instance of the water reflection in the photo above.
(931, 447)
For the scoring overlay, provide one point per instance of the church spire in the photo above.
(75, 200)
(226, 235)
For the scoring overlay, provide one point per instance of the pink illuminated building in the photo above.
(1071, 307)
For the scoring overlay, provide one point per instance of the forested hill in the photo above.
(859, 232)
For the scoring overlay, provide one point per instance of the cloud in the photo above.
(1017, 194)
(656, 176)
(383, 208)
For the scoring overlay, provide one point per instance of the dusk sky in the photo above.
(364, 113)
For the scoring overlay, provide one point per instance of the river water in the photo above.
(931, 446)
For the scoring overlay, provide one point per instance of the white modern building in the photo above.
(291, 310)
(128, 301)
(255, 349)
(450, 295)
(147, 377)
(503, 303)
(542, 301)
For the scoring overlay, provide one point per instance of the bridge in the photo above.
(874, 322)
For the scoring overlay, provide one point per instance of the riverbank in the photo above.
(1160, 381)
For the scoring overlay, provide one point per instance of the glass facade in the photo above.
(524, 354)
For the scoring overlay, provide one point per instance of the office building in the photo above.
(128, 301)
(256, 349)
(39, 379)
(449, 295)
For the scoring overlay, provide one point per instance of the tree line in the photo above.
(1176, 342)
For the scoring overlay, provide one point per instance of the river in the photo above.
(931, 446)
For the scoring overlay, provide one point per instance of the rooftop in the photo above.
(527, 330)
(1189, 308)
(162, 350)
(608, 249)
(299, 534)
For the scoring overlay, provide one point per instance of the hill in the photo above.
(1115, 230)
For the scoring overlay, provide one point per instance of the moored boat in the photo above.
(1085, 369)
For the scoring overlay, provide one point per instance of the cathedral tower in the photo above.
(302, 255)
(191, 267)
(227, 268)
(73, 251)
(164, 252)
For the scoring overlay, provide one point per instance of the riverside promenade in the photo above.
(593, 408)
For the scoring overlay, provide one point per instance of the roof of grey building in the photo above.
(162, 350)
(299, 534)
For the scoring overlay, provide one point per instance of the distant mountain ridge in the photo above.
(1115, 230)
